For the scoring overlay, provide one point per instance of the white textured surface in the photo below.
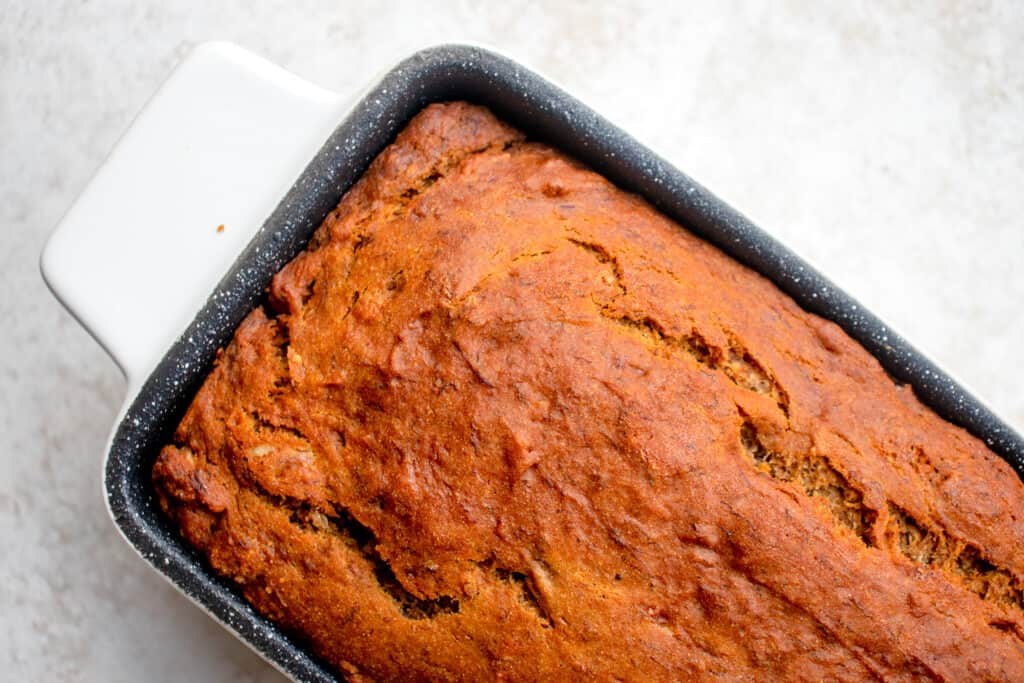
(884, 144)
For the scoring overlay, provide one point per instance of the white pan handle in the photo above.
(218, 145)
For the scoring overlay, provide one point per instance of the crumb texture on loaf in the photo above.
(504, 420)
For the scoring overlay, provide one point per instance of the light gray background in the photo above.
(882, 141)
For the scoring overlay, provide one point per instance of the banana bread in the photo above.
(504, 420)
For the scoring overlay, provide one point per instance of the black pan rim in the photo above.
(544, 112)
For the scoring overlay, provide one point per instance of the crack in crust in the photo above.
(962, 563)
(529, 594)
(361, 539)
(605, 257)
(818, 478)
(339, 522)
(735, 362)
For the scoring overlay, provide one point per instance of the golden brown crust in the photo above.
(503, 420)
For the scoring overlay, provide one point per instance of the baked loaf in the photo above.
(504, 420)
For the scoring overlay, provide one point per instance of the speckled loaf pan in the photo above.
(546, 113)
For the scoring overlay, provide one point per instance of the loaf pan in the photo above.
(171, 246)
